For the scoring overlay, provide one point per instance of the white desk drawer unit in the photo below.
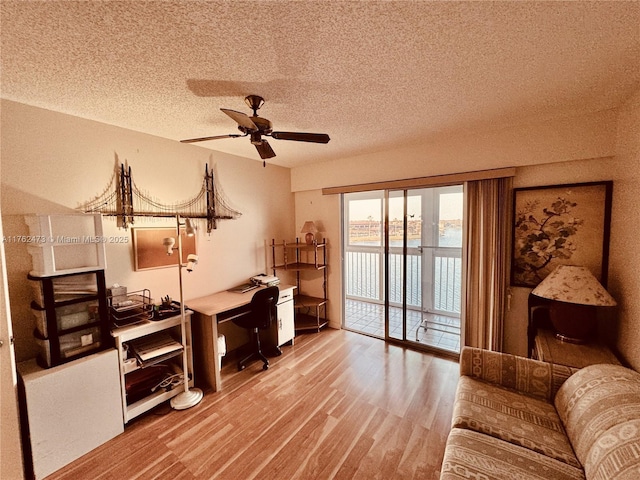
(285, 331)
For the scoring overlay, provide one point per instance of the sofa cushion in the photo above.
(470, 454)
(600, 408)
(533, 377)
(512, 416)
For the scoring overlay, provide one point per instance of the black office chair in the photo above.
(263, 312)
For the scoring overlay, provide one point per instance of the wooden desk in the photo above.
(208, 312)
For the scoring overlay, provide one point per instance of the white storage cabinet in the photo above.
(68, 410)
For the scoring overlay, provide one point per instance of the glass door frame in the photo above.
(402, 281)
(430, 215)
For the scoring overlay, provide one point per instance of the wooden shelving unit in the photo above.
(310, 311)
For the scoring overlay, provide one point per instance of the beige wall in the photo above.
(601, 146)
(548, 141)
(624, 276)
(52, 162)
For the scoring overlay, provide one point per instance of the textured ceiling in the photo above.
(373, 75)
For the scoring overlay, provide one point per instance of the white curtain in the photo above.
(488, 221)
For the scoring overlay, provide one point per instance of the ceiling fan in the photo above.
(257, 127)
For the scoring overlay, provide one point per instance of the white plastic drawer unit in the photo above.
(71, 319)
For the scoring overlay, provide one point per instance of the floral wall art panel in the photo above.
(560, 225)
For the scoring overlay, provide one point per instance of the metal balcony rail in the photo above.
(364, 270)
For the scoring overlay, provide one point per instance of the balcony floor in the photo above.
(438, 331)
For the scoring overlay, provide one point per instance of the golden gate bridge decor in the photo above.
(124, 200)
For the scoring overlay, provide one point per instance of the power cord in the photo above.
(169, 382)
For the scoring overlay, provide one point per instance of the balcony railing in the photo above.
(364, 268)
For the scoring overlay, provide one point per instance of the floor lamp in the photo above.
(190, 397)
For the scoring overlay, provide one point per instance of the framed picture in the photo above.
(149, 251)
(560, 225)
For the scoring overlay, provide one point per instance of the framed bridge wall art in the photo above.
(560, 225)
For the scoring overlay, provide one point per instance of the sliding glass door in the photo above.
(403, 267)
(363, 262)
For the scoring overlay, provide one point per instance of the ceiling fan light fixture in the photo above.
(255, 102)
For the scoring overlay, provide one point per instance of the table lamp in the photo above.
(576, 295)
(310, 229)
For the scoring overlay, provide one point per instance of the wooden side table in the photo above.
(549, 348)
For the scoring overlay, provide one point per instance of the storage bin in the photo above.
(71, 344)
(64, 288)
(61, 244)
(67, 317)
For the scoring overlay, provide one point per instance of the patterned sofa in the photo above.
(516, 418)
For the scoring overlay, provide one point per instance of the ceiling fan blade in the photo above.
(265, 150)
(241, 119)
(302, 137)
(215, 137)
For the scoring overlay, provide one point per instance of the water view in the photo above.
(364, 264)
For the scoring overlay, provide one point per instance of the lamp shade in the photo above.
(572, 284)
(309, 227)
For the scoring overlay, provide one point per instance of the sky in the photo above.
(450, 207)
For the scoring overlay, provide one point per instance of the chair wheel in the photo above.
(241, 367)
(265, 366)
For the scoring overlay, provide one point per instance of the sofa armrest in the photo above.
(533, 377)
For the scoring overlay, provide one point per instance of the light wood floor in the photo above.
(336, 405)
